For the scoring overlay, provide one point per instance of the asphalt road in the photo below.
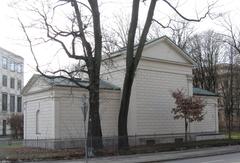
(228, 158)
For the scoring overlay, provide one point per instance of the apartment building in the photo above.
(11, 83)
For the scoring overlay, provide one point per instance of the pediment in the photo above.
(165, 49)
(35, 84)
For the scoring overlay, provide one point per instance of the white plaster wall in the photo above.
(210, 121)
(154, 101)
(160, 71)
(42, 101)
(109, 110)
(116, 75)
(151, 102)
(69, 116)
(164, 66)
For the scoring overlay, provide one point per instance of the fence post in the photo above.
(84, 109)
(113, 144)
(117, 144)
(135, 140)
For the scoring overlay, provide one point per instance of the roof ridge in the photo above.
(60, 81)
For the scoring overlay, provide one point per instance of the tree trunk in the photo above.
(124, 107)
(131, 66)
(94, 124)
(186, 127)
(231, 95)
(229, 127)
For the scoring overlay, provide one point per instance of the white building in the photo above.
(11, 75)
(163, 68)
(52, 107)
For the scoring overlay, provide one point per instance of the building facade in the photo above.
(163, 68)
(52, 108)
(11, 75)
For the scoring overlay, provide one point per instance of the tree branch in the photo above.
(131, 33)
(142, 41)
(72, 79)
(189, 19)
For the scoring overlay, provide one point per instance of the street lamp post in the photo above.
(84, 108)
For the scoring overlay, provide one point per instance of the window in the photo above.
(19, 104)
(4, 101)
(37, 121)
(4, 63)
(4, 80)
(19, 84)
(12, 83)
(19, 68)
(12, 103)
(12, 67)
(15, 66)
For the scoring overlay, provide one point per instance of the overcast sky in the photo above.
(12, 37)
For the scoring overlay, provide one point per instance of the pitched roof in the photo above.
(202, 92)
(153, 41)
(62, 82)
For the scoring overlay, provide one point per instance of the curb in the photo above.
(193, 156)
(170, 156)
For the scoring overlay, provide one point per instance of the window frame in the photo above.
(19, 68)
(19, 84)
(37, 122)
(12, 84)
(4, 80)
(3, 103)
(19, 106)
(12, 105)
(12, 65)
(5, 63)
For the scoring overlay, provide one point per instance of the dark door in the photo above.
(4, 129)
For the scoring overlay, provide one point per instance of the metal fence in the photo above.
(74, 148)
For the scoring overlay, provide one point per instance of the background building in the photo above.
(11, 75)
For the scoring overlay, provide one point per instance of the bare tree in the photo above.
(133, 57)
(78, 33)
(116, 35)
(15, 122)
(179, 31)
(81, 40)
(227, 89)
(205, 49)
(230, 77)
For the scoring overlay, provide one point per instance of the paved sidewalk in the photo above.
(160, 157)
